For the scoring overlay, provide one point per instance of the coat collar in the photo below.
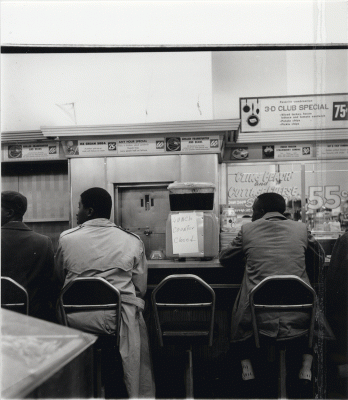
(16, 225)
(98, 222)
(274, 215)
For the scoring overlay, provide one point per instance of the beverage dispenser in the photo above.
(192, 228)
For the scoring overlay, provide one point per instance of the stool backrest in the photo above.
(282, 293)
(184, 292)
(14, 296)
(90, 294)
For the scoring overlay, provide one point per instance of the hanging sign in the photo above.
(89, 147)
(294, 152)
(34, 151)
(294, 113)
(184, 233)
(119, 147)
(196, 143)
(338, 150)
(140, 146)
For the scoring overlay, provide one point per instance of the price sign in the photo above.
(340, 111)
(324, 196)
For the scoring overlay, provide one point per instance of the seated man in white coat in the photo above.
(97, 247)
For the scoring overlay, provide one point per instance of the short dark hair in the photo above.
(98, 199)
(271, 202)
(14, 201)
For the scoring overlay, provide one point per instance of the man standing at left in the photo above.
(27, 257)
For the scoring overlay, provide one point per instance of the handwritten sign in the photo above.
(184, 233)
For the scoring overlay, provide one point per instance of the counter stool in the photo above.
(282, 293)
(14, 296)
(184, 309)
(92, 294)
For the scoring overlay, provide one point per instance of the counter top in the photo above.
(33, 350)
(214, 263)
(211, 271)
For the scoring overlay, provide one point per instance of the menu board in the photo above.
(337, 150)
(140, 146)
(294, 113)
(198, 143)
(31, 152)
(293, 151)
(184, 233)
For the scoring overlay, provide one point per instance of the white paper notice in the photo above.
(184, 233)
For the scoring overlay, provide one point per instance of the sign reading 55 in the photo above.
(327, 196)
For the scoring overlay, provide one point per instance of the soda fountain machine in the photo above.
(192, 228)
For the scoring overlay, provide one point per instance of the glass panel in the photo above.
(246, 182)
(327, 194)
(325, 197)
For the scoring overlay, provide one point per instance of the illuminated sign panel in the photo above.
(294, 113)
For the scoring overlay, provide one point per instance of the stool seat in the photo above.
(184, 309)
(93, 294)
(14, 296)
(282, 293)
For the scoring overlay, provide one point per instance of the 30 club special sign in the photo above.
(289, 113)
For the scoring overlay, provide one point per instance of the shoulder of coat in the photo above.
(130, 233)
(69, 231)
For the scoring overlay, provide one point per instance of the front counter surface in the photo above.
(211, 271)
(34, 350)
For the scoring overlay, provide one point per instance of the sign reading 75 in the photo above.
(340, 111)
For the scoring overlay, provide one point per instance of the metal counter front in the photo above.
(220, 361)
(211, 271)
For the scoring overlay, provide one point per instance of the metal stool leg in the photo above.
(282, 375)
(98, 380)
(189, 375)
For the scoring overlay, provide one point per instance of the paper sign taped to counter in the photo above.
(184, 233)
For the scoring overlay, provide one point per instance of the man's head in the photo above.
(13, 206)
(94, 203)
(268, 202)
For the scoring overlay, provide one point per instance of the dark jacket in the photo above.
(28, 258)
(271, 245)
(337, 294)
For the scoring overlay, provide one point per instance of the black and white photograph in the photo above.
(174, 199)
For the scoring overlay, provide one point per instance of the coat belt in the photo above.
(136, 301)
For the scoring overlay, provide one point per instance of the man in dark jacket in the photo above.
(270, 245)
(27, 257)
(337, 315)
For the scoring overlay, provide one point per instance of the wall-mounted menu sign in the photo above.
(31, 152)
(289, 113)
(115, 147)
(199, 143)
(281, 152)
(294, 152)
(184, 233)
(140, 146)
(335, 150)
